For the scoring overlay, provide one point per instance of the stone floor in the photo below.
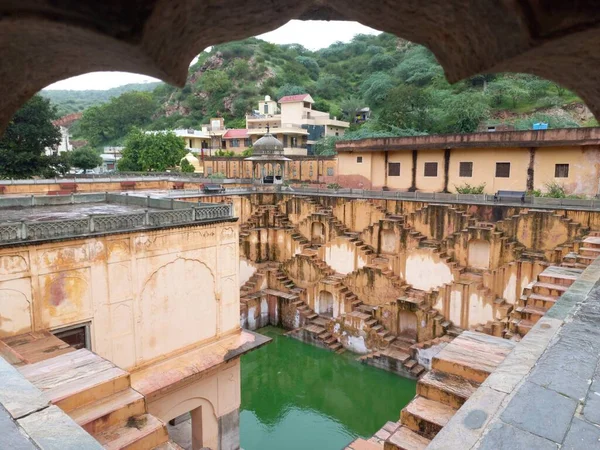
(64, 212)
(181, 433)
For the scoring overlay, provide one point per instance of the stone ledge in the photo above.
(528, 380)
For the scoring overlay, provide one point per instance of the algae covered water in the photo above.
(296, 396)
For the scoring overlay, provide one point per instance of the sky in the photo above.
(312, 34)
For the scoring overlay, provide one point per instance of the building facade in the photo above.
(508, 160)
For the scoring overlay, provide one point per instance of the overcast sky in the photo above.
(311, 34)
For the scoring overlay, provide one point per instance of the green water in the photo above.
(296, 396)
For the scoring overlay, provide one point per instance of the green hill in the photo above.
(400, 81)
(68, 101)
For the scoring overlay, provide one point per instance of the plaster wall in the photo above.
(424, 270)
(145, 294)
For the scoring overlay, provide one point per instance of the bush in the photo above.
(217, 175)
(334, 186)
(186, 167)
(468, 189)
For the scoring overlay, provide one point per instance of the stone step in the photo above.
(138, 433)
(590, 251)
(335, 347)
(75, 379)
(445, 388)
(426, 417)
(362, 444)
(472, 355)
(321, 321)
(550, 289)
(170, 445)
(109, 411)
(417, 370)
(406, 439)
(592, 242)
(541, 301)
(559, 275)
(523, 326)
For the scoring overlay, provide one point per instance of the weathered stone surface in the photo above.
(591, 410)
(17, 394)
(11, 437)
(552, 39)
(540, 411)
(582, 435)
(52, 429)
(503, 436)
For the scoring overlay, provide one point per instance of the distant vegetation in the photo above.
(68, 101)
(401, 82)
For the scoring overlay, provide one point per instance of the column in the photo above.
(197, 428)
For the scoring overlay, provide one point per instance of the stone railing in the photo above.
(174, 213)
(537, 202)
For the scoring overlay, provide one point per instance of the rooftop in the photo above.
(537, 138)
(296, 98)
(236, 133)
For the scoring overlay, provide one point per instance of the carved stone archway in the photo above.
(44, 42)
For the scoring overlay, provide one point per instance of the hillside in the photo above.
(400, 81)
(68, 101)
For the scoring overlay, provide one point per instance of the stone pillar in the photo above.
(229, 431)
(197, 441)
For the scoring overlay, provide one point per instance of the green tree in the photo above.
(349, 106)
(382, 61)
(376, 87)
(58, 165)
(28, 134)
(407, 107)
(85, 158)
(464, 112)
(108, 123)
(311, 65)
(151, 151)
(419, 67)
(290, 89)
(186, 167)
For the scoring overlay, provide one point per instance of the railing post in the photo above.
(146, 218)
(91, 224)
(23, 230)
(72, 198)
(33, 200)
(127, 198)
(147, 201)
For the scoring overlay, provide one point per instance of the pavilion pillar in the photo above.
(197, 442)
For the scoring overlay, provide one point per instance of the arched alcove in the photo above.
(479, 254)
(326, 303)
(407, 324)
(317, 233)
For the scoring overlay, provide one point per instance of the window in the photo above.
(359, 159)
(247, 142)
(235, 143)
(394, 169)
(209, 170)
(502, 170)
(190, 143)
(330, 171)
(266, 109)
(561, 171)
(77, 336)
(430, 169)
(465, 169)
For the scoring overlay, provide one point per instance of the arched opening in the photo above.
(193, 424)
(317, 233)
(407, 324)
(326, 303)
(479, 254)
(388, 241)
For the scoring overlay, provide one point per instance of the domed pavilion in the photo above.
(268, 162)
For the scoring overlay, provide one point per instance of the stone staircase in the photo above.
(538, 297)
(98, 396)
(319, 330)
(457, 371)
(253, 284)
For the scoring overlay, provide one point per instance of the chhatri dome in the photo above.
(267, 157)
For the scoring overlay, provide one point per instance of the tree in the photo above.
(381, 61)
(407, 107)
(85, 158)
(349, 106)
(375, 88)
(464, 112)
(108, 123)
(151, 151)
(28, 134)
(419, 67)
(290, 89)
(58, 165)
(186, 167)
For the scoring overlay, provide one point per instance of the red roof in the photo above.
(236, 133)
(67, 121)
(293, 98)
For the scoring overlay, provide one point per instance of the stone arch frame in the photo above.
(326, 303)
(209, 432)
(161, 38)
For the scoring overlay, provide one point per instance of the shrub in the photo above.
(468, 189)
(334, 186)
(186, 167)
(217, 175)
